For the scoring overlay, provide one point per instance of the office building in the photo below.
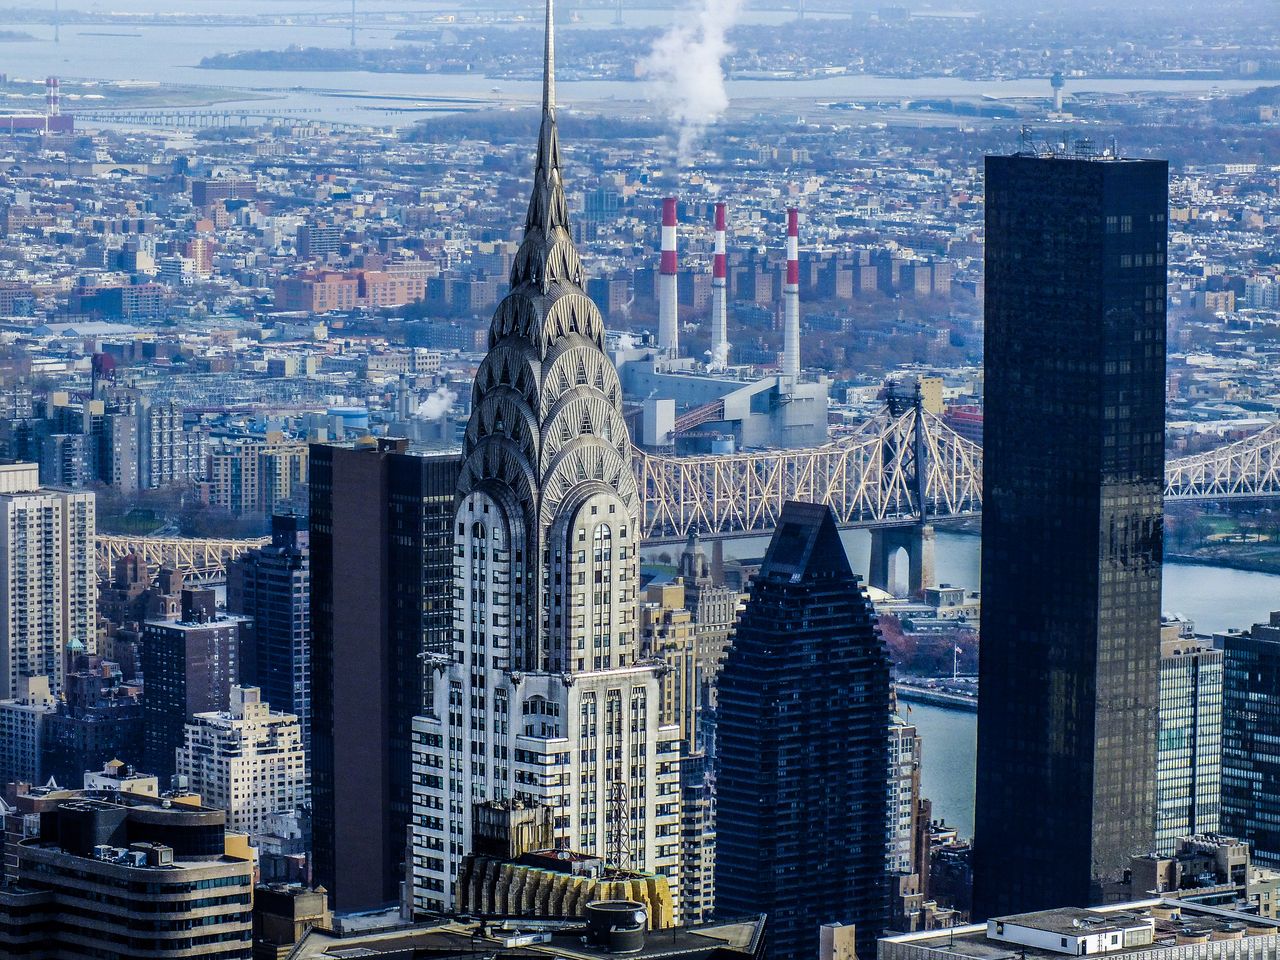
(1073, 480)
(119, 876)
(246, 760)
(801, 819)
(22, 723)
(189, 666)
(1250, 730)
(381, 598)
(100, 720)
(48, 581)
(1189, 752)
(271, 588)
(1153, 929)
(546, 697)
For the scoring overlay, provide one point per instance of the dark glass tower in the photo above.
(1073, 477)
(803, 747)
(382, 582)
(272, 587)
(1250, 730)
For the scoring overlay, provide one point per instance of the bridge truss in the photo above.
(901, 465)
(1243, 469)
(200, 561)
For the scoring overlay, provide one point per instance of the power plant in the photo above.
(684, 405)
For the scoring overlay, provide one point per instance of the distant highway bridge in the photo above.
(176, 118)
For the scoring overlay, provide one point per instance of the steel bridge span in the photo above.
(903, 467)
(902, 470)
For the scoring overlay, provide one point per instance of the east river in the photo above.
(151, 53)
(1215, 598)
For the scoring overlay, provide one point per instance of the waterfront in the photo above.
(948, 761)
(1215, 598)
(161, 54)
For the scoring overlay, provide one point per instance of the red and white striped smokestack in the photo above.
(52, 97)
(720, 294)
(791, 300)
(668, 303)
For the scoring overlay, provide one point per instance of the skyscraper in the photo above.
(272, 588)
(1250, 729)
(381, 588)
(48, 581)
(801, 817)
(1189, 754)
(1073, 478)
(543, 697)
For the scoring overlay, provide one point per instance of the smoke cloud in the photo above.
(438, 404)
(718, 357)
(686, 67)
(626, 341)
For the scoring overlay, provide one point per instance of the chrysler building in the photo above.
(545, 699)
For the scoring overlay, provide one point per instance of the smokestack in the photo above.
(791, 300)
(668, 304)
(52, 97)
(720, 294)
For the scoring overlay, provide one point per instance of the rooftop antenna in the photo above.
(617, 14)
(353, 23)
(57, 23)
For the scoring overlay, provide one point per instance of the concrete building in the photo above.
(1189, 753)
(1209, 869)
(247, 760)
(117, 876)
(1153, 929)
(48, 580)
(754, 414)
(22, 722)
(189, 666)
(100, 719)
(253, 476)
(546, 696)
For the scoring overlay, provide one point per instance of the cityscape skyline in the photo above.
(403, 557)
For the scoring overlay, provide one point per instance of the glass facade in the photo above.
(1189, 753)
(803, 747)
(1072, 530)
(1250, 734)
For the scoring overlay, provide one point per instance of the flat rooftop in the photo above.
(1173, 919)
(462, 939)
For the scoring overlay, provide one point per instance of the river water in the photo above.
(1215, 598)
(170, 54)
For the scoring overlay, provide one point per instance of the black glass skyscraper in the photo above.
(803, 741)
(382, 582)
(1073, 478)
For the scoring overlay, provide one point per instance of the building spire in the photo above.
(549, 64)
(547, 253)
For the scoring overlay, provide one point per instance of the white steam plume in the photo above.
(686, 65)
(626, 341)
(438, 404)
(718, 358)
